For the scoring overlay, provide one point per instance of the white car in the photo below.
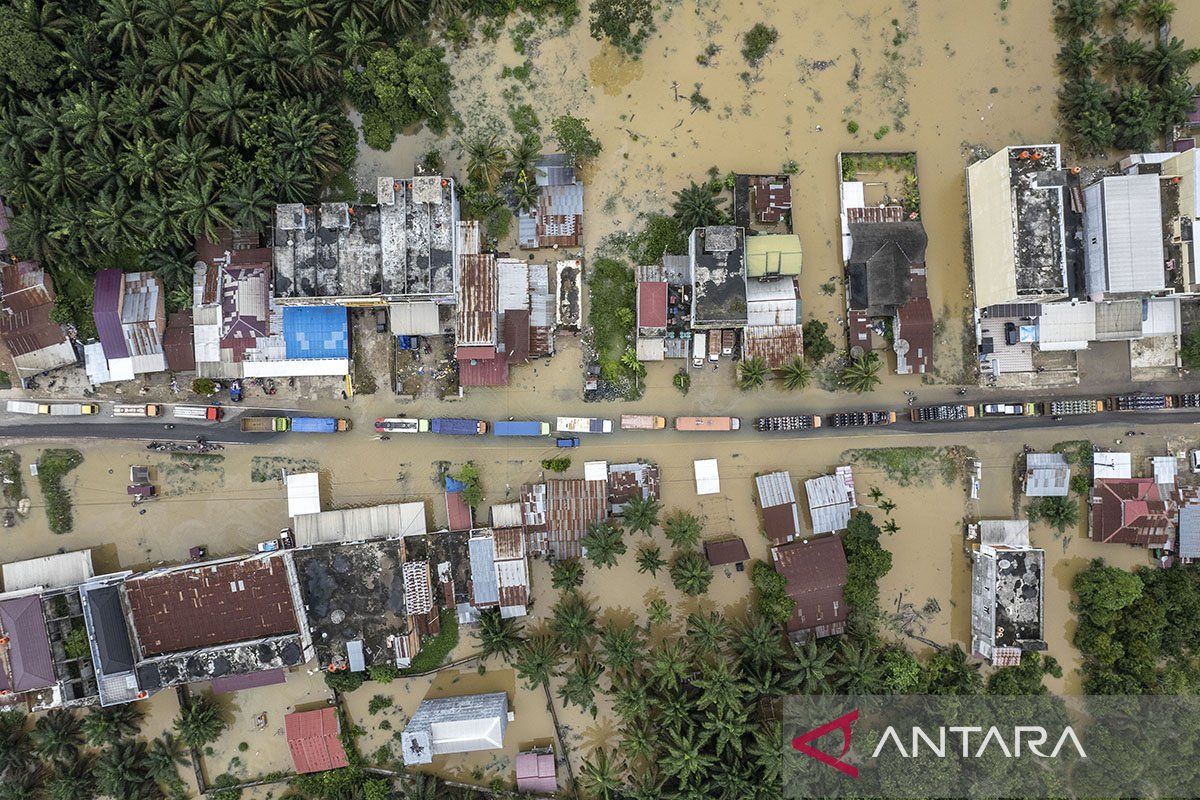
(1004, 409)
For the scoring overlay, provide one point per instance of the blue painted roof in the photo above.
(316, 332)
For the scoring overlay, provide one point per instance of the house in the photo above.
(557, 218)
(1111, 465)
(815, 571)
(762, 200)
(1046, 475)
(232, 307)
(912, 332)
(35, 341)
(499, 571)
(110, 640)
(314, 738)
(447, 725)
(559, 512)
(830, 500)
(1134, 511)
(1007, 601)
(717, 257)
(26, 664)
(881, 260)
(1123, 236)
(730, 550)
(651, 319)
(626, 481)
(459, 516)
(708, 478)
(776, 498)
(130, 315)
(480, 362)
(403, 248)
(536, 772)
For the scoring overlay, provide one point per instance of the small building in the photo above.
(1007, 602)
(717, 256)
(730, 550)
(881, 260)
(626, 481)
(1111, 465)
(1046, 475)
(777, 499)
(1189, 531)
(708, 478)
(303, 493)
(459, 516)
(558, 513)
(499, 571)
(536, 772)
(390, 520)
(314, 737)
(480, 362)
(47, 573)
(448, 725)
(1123, 236)
(36, 342)
(130, 314)
(232, 308)
(912, 334)
(1133, 511)
(110, 639)
(815, 571)
(829, 503)
(773, 256)
(557, 218)
(651, 320)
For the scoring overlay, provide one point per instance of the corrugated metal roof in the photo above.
(390, 520)
(414, 319)
(312, 737)
(828, 502)
(316, 332)
(652, 304)
(1161, 317)
(29, 645)
(484, 589)
(1189, 531)
(49, 572)
(106, 305)
(109, 630)
(1066, 323)
(178, 342)
(477, 301)
(775, 489)
(1123, 232)
(512, 282)
(775, 344)
(1005, 532)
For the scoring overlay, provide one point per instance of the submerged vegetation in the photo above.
(53, 466)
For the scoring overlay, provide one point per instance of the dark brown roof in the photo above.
(26, 285)
(726, 551)
(516, 335)
(1131, 511)
(178, 342)
(916, 329)
(30, 330)
(780, 522)
(815, 570)
(211, 605)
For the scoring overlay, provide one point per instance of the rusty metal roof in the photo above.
(775, 344)
(477, 301)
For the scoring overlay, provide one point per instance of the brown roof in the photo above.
(211, 605)
(780, 522)
(1131, 511)
(652, 304)
(312, 736)
(509, 543)
(178, 342)
(568, 508)
(726, 551)
(458, 513)
(915, 328)
(477, 300)
(815, 570)
(26, 285)
(775, 344)
(231, 240)
(771, 196)
(30, 330)
(516, 335)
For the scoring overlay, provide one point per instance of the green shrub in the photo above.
(204, 386)
(377, 130)
(816, 340)
(378, 703)
(434, 651)
(757, 42)
(383, 673)
(76, 644)
(343, 681)
(53, 466)
(559, 464)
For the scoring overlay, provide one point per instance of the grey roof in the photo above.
(109, 630)
(717, 260)
(1047, 475)
(1006, 598)
(484, 588)
(882, 253)
(1006, 532)
(775, 489)
(56, 571)
(555, 169)
(828, 502)
(360, 524)
(1189, 531)
(354, 654)
(455, 725)
(222, 661)
(29, 645)
(565, 200)
(1123, 235)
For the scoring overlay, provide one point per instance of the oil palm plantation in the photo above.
(795, 374)
(690, 573)
(862, 374)
(752, 374)
(199, 720)
(573, 621)
(699, 205)
(537, 658)
(498, 635)
(641, 513)
(603, 544)
(107, 725)
(58, 735)
(682, 528)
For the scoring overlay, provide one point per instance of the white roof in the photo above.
(303, 494)
(708, 481)
(49, 572)
(512, 284)
(1166, 469)
(651, 349)
(1005, 532)
(506, 516)
(1066, 326)
(595, 470)
(361, 524)
(828, 503)
(1162, 317)
(1123, 236)
(771, 302)
(413, 319)
(775, 489)
(1112, 465)
(296, 368)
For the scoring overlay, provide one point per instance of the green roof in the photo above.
(775, 254)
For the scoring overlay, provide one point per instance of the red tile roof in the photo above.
(458, 512)
(915, 328)
(483, 372)
(652, 304)
(312, 736)
(1131, 511)
(816, 571)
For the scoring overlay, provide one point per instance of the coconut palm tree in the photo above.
(228, 104)
(890, 527)
(58, 735)
(862, 373)
(601, 775)
(620, 646)
(859, 668)
(668, 665)
(638, 742)
(199, 210)
(498, 635)
(795, 374)
(525, 192)
(1078, 16)
(875, 493)
(682, 528)
(658, 612)
(573, 621)
(757, 641)
(199, 721)
(641, 513)
(810, 667)
(698, 205)
(122, 769)
(537, 659)
(687, 757)
(752, 374)
(649, 559)
(581, 682)
(485, 160)
(631, 696)
(690, 573)
(1078, 57)
(106, 725)
(310, 56)
(74, 780)
(1156, 13)
(720, 686)
(1059, 513)
(727, 730)
(603, 544)
(23, 783)
(566, 574)
(707, 634)
(887, 506)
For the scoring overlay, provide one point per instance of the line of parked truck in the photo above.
(567, 427)
(1139, 401)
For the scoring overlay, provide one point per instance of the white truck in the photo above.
(72, 409)
(584, 425)
(699, 348)
(210, 413)
(27, 407)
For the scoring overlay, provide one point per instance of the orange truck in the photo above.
(707, 423)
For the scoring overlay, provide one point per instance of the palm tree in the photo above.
(357, 39)
(74, 780)
(706, 633)
(566, 574)
(581, 681)
(122, 770)
(890, 527)
(1125, 55)
(875, 493)
(638, 742)
(668, 666)
(1173, 100)
(690, 573)
(795, 374)
(603, 543)
(58, 735)
(641, 513)
(397, 13)
(485, 160)
(1165, 61)
(859, 668)
(314, 15)
(199, 720)
(687, 759)
(573, 621)
(631, 696)
(537, 658)
(1078, 57)
(166, 755)
(1078, 16)
(525, 192)
(720, 687)
(698, 206)
(24, 783)
(498, 635)
(752, 374)
(658, 612)
(621, 646)
(862, 374)
(682, 528)
(119, 18)
(727, 730)
(887, 506)
(15, 747)
(106, 725)
(247, 203)
(308, 51)
(649, 559)
(1059, 513)
(1156, 13)
(601, 776)
(810, 667)
(523, 154)
(228, 104)
(199, 211)
(757, 641)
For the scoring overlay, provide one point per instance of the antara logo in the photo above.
(842, 723)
